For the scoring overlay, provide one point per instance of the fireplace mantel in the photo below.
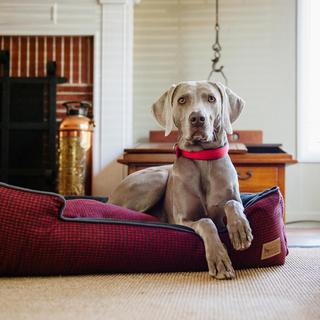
(111, 24)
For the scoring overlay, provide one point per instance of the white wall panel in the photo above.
(173, 43)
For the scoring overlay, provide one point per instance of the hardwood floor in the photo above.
(303, 234)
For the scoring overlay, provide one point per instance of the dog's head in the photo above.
(202, 111)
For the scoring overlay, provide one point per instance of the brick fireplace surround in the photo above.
(73, 57)
(97, 37)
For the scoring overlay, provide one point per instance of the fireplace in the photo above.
(109, 23)
(38, 74)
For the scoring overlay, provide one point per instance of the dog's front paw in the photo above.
(219, 263)
(240, 232)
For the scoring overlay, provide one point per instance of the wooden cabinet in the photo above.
(259, 166)
(257, 171)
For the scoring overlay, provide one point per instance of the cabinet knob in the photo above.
(246, 176)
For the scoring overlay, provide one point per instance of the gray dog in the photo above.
(197, 193)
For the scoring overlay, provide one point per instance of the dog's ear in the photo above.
(162, 110)
(232, 106)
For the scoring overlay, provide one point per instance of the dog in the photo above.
(192, 192)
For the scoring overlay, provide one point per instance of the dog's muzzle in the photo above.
(197, 119)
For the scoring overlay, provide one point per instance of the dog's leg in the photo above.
(183, 206)
(141, 190)
(238, 226)
(219, 263)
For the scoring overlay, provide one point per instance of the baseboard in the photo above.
(302, 215)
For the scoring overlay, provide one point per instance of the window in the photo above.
(308, 75)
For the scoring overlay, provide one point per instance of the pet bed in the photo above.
(44, 234)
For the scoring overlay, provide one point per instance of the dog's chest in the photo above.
(218, 181)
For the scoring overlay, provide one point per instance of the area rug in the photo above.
(291, 291)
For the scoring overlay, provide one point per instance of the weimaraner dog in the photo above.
(191, 192)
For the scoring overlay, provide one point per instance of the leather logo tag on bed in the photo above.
(270, 249)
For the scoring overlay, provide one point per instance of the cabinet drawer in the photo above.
(256, 179)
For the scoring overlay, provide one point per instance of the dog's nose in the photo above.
(197, 119)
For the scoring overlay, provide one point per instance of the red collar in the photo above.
(210, 154)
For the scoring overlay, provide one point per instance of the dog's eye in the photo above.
(182, 100)
(211, 99)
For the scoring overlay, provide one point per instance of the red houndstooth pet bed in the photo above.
(44, 234)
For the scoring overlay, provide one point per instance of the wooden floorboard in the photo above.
(303, 234)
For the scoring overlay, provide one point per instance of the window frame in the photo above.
(305, 152)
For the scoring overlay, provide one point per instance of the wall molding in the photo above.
(114, 124)
(293, 215)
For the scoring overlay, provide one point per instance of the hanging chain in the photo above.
(216, 47)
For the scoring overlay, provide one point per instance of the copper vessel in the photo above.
(75, 150)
